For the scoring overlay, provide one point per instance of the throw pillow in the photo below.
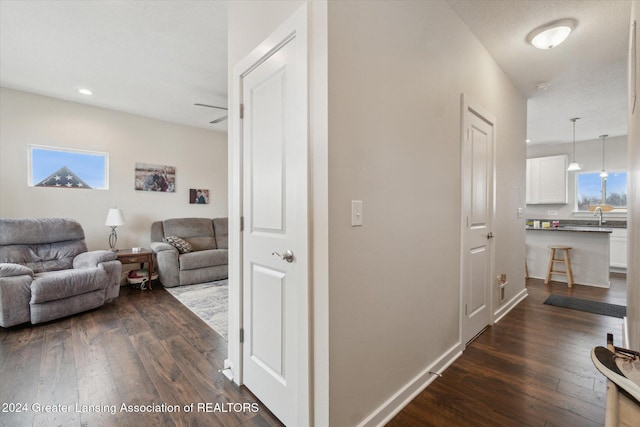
(180, 244)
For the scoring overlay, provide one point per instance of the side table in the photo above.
(128, 256)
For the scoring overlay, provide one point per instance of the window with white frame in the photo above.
(68, 168)
(593, 190)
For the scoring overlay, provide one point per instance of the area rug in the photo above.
(596, 307)
(209, 301)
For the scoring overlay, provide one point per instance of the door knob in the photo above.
(490, 235)
(287, 256)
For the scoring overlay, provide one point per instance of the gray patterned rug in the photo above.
(207, 300)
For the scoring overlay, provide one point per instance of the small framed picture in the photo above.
(198, 197)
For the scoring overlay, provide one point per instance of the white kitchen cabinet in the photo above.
(547, 180)
(618, 247)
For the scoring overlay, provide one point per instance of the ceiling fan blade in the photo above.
(221, 119)
(211, 106)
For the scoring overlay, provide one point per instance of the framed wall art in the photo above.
(159, 178)
(198, 196)
(58, 167)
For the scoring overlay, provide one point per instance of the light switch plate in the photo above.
(356, 213)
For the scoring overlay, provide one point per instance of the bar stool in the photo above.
(567, 264)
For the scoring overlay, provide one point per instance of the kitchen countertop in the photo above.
(574, 228)
(593, 223)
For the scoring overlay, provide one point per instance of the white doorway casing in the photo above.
(269, 297)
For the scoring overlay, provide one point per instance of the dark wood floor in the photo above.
(145, 348)
(531, 369)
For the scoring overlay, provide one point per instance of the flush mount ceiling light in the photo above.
(574, 166)
(552, 34)
(85, 91)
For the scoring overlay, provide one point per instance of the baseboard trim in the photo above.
(561, 280)
(390, 408)
(506, 308)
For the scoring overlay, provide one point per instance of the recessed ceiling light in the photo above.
(552, 34)
(85, 91)
(527, 140)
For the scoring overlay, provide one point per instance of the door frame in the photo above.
(468, 104)
(294, 26)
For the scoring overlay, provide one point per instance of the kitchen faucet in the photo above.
(596, 211)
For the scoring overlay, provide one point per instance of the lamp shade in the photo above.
(604, 173)
(573, 166)
(114, 218)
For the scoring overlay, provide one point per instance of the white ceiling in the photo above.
(147, 57)
(587, 73)
(158, 58)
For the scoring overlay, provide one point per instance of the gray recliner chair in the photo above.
(47, 273)
(190, 250)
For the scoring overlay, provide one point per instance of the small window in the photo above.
(68, 168)
(592, 190)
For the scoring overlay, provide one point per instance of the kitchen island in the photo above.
(589, 253)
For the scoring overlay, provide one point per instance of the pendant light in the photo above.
(604, 173)
(574, 166)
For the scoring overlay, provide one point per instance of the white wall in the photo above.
(394, 89)
(258, 21)
(396, 73)
(633, 248)
(589, 156)
(199, 155)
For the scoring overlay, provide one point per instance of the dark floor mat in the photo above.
(596, 307)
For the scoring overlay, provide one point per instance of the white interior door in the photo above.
(477, 216)
(275, 268)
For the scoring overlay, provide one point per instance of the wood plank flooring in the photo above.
(533, 368)
(143, 349)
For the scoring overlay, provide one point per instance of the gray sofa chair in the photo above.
(204, 258)
(47, 273)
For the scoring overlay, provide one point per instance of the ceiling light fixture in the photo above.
(543, 86)
(552, 34)
(85, 91)
(604, 173)
(574, 166)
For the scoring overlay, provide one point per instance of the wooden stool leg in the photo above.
(551, 258)
(567, 266)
